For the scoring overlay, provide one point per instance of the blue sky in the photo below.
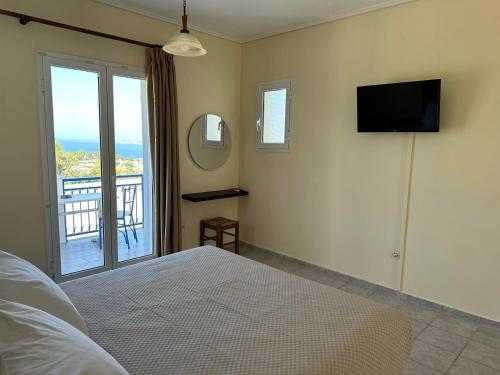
(76, 106)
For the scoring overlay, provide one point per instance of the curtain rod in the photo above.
(24, 19)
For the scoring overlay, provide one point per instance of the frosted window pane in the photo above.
(214, 128)
(274, 116)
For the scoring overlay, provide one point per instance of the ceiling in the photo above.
(246, 20)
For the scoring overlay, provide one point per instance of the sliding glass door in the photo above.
(98, 179)
(131, 162)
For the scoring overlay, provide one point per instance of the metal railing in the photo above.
(85, 219)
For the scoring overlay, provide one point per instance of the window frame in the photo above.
(262, 89)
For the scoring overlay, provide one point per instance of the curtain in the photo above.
(164, 138)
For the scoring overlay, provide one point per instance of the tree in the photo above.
(67, 162)
(88, 164)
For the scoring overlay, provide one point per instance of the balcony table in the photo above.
(77, 198)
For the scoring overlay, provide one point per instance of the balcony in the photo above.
(80, 222)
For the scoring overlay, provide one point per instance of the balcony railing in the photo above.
(85, 219)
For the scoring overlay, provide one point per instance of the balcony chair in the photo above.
(129, 194)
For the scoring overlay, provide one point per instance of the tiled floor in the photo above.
(444, 341)
(84, 253)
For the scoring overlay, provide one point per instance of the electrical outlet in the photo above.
(396, 254)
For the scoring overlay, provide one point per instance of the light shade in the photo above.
(184, 44)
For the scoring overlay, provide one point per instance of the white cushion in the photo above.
(22, 282)
(34, 342)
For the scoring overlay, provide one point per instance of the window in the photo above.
(213, 132)
(273, 124)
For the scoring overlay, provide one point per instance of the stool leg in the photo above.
(202, 233)
(220, 238)
(237, 238)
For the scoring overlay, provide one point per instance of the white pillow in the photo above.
(22, 282)
(34, 342)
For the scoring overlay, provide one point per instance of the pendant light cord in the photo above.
(184, 20)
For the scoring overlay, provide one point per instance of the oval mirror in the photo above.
(209, 142)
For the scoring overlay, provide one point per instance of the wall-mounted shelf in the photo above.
(213, 195)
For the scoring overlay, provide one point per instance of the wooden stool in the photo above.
(220, 225)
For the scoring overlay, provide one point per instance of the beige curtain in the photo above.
(164, 137)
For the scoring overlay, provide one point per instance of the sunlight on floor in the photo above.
(84, 253)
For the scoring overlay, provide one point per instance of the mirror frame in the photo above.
(225, 132)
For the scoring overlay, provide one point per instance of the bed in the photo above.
(208, 311)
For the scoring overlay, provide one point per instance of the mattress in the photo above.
(208, 311)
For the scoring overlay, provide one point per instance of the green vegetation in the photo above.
(88, 164)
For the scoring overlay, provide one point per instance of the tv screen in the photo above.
(399, 107)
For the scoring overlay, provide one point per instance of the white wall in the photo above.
(338, 199)
(207, 84)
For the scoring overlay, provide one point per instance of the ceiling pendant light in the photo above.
(183, 43)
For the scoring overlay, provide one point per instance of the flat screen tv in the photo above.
(399, 107)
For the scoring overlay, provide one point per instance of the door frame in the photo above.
(108, 175)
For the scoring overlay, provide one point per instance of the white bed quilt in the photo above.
(208, 311)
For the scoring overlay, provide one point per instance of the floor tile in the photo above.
(335, 280)
(489, 335)
(431, 356)
(284, 266)
(415, 368)
(464, 366)
(78, 254)
(314, 275)
(484, 337)
(388, 298)
(95, 258)
(308, 273)
(482, 354)
(417, 328)
(419, 311)
(443, 339)
(493, 326)
(259, 258)
(455, 325)
(461, 315)
(359, 288)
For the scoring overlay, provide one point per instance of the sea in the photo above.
(126, 150)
